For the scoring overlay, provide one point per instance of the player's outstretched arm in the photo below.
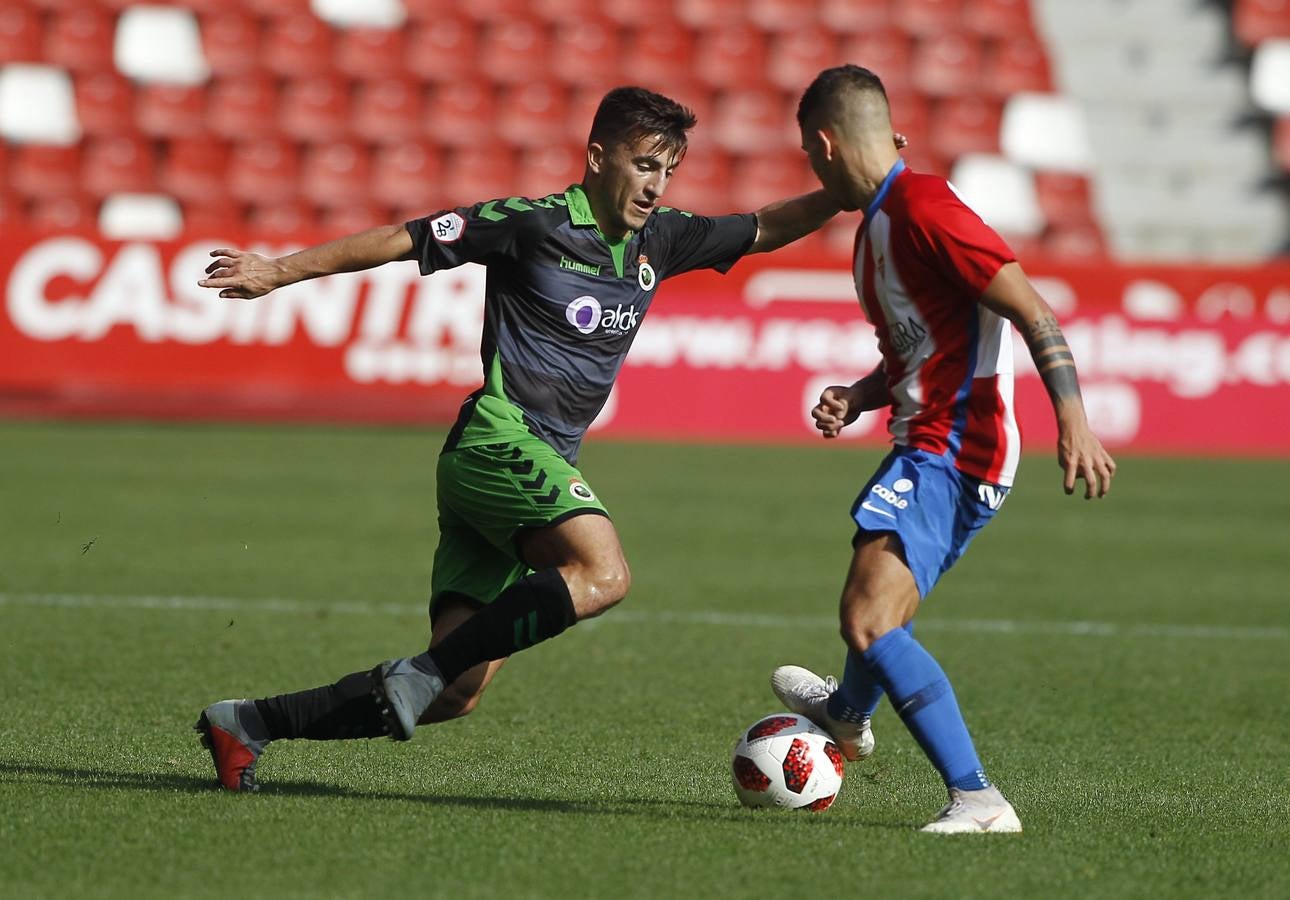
(239, 275)
(1079, 452)
(840, 405)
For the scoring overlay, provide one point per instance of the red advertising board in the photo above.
(1182, 359)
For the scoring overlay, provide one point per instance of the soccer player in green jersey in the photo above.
(526, 549)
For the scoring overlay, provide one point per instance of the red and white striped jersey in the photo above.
(922, 261)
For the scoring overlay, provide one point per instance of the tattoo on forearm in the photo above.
(1053, 357)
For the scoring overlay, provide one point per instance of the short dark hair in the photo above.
(628, 113)
(830, 84)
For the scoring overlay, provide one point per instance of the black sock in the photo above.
(533, 609)
(336, 712)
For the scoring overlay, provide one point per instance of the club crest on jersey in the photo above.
(580, 490)
(645, 276)
(447, 228)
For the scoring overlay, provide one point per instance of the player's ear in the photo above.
(595, 156)
(828, 145)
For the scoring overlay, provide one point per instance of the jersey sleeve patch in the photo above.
(448, 228)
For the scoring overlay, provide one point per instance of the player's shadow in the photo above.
(163, 782)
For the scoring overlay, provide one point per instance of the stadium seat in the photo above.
(220, 219)
(1064, 198)
(201, 7)
(531, 115)
(1256, 21)
(370, 52)
(170, 110)
(407, 174)
(850, 17)
(549, 169)
(355, 217)
(443, 50)
(1270, 76)
(782, 15)
(563, 12)
(44, 170)
(491, 11)
(80, 40)
(241, 105)
(513, 51)
(927, 18)
(37, 104)
(20, 35)
(264, 170)
(160, 44)
(887, 52)
(315, 108)
(429, 10)
(731, 57)
(297, 46)
(586, 51)
(195, 170)
(1001, 192)
(761, 178)
(338, 173)
(375, 14)
(701, 184)
(947, 65)
(1013, 65)
(461, 113)
(1081, 241)
(12, 214)
(579, 110)
(658, 58)
(752, 121)
(919, 158)
(289, 218)
(1281, 143)
(911, 115)
(270, 9)
(151, 217)
(104, 103)
(1045, 131)
(1004, 19)
(700, 14)
(796, 56)
(474, 174)
(960, 125)
(63, 213)
(231, 42)
(391, 109)
(112, 165)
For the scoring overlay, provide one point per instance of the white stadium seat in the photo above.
(1045, 131)
(1270, 76)
(140, 217)
(369, 14)
(37, 105)
(160, 44)
(1001, 192)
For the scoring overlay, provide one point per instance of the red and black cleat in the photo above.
(232, 749)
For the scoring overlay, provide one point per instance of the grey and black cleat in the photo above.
(403, 692)
(233, 733)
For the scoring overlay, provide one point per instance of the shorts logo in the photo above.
(991, 496)
(645, 276)
(889, 495)
(584, 314)
(581, 491)
(447, 228)
(902, 485)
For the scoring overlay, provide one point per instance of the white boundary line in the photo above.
(629, 616)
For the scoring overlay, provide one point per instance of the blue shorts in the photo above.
(931, 506)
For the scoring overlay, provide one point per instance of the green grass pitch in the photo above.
(1122, 665)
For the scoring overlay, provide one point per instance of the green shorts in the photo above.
(487, 494)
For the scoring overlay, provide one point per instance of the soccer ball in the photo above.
(786, 760)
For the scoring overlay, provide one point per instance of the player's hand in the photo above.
(838, 407)
(901, 141)
(241, 276)
(1081, 455)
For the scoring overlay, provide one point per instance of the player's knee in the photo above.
(600, 587)
(453, 703)
(860, 633)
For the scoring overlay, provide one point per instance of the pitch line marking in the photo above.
(652, 617)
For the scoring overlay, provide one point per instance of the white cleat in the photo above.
(807, 694)
(975, 812)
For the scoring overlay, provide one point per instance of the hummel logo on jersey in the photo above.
(890, 496)
(907, 335)
(991, 496)
(586, 314)
(574, 266)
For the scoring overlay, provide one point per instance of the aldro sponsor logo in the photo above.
(907, 335)
(587, 315)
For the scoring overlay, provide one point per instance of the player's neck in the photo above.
(870, 172)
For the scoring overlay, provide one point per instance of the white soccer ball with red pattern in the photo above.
(788, 761)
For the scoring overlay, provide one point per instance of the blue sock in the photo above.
(857, 696)
(924, 700)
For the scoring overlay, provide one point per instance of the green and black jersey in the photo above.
(562, 304)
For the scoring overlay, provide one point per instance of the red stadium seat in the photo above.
(797, 56)
(911, 115)
(391, 109)
(338, 173)
(562, 12)
(1014, 65)
(20, 35)
(480, 173)
(1281, 143)
(231, 42)
(947, 65)
(927, 18)
(443, 50)
(586, 51)
(921, 159)
(782, 15)
(549, 169)
(315, 108)
(962, 125)
(701, 14)
(41, 170)
(579, 111)
(461, 114)
(12, 214)
(170, 110)
(513, 51)
(701, 184)
(343, 220)
(80, 40)
(407, 174)
(1256, 21)
(370, 52)
(297, 46)
(104, 104)
(63, 213)
(731, 57)
(762, 178)
(531, 115)
(752, 121)
(241, 105)
(658, 58)
(286, 218)
(887, 52)
(205, 7)
(118, 164)
(490, 11)
(1064, 198)
(218, 219)
(998, 18)
(195, 170)
(1073, 242)
(277, 8)
(852, 17)
(264, 170)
